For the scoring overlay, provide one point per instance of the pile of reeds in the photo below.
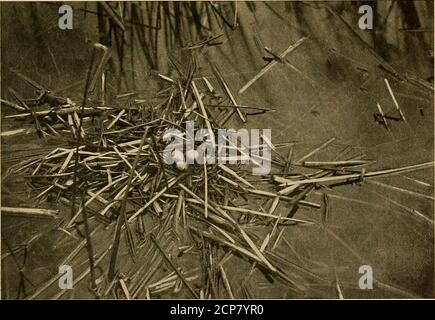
(111, 173)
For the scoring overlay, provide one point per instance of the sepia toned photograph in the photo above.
(204, 150)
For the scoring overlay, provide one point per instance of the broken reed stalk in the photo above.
(201, 105)
(38, 129)
(239, 106)
(381, 112)
(29, 212)
(122, 218)
(350, 177)
(271, 64)
(228, 92)
(258, 213)
(185, 282)
(235, 175)
(316, 150)
(345, 163)
(89, 244)
(412, 211)
(12, 105)
(409, 192)
(396, 104)
(78, 141)
(226, 282)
